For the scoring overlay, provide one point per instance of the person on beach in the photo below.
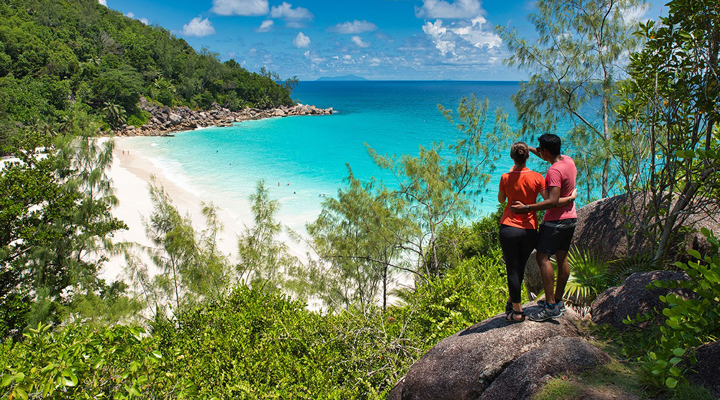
(558, 226)
(518, 232)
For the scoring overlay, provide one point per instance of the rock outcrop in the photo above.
(165, 120)
(601, 227)
(487, 360)
(534, 369)
(632, 297)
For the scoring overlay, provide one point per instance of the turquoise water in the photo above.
(302, 159)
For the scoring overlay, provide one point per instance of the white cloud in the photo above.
(314, 57)
(285, 11)
(301, 41)
(635, 14)
(143, 20)
(461, 35)
(198, 27)
(359, 42)
(266, 26)
(353, 27)
(437, 33)
(464, 9)
(103, 2)
(240, 7)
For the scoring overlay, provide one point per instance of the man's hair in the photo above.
(551, 143)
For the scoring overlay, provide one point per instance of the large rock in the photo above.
(466, 364)
(532, 371)
(632, 297)
(707, 370)
(602, 227)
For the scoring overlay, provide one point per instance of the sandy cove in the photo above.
(132, 173)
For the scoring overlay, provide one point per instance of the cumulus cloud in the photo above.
(353, 27)
(266, 26)
(301, 41)
(240, 7)
(103, 2)
(286, 12)
(464, 9)
(198, 27)
(461, 34)
(359, 42)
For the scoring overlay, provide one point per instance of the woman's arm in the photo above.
(501, 196)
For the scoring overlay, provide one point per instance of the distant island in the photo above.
(350, 77)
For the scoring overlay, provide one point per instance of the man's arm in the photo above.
(501, 196)
(550, 202)
(534, 151)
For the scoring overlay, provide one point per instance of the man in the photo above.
(558, 226)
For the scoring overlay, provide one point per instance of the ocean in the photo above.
(302, 160)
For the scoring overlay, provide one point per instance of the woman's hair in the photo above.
(519, 151)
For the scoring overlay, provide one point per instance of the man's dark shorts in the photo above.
(555, 235)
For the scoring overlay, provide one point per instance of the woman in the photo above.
(518, 232)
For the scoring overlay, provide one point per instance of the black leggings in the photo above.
(517, 244)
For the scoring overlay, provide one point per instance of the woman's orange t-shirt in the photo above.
(521, 186)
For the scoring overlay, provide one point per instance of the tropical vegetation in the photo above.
(394, 268)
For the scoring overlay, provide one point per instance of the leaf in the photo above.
(671, 382)
(6, 380)
(70, 378)
(679, 352)
(695, 254)
(19, 392)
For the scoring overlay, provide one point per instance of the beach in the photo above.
(132, 174)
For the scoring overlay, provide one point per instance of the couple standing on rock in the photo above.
(518, 224)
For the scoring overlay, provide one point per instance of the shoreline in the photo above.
(164, 121)
(131, 174)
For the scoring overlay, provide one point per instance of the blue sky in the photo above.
(376, 39)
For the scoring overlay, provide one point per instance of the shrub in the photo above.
(475, 290)
(139, 118)
(690, 322)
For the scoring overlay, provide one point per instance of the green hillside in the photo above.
(54, 54)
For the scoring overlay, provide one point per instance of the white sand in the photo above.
(131, 175)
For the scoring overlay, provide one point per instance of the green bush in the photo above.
(139, 118)
(255, 344)
(690, 322)
(78, 362)
(475, 290)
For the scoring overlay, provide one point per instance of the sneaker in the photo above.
(547, 313)
(560, 305)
